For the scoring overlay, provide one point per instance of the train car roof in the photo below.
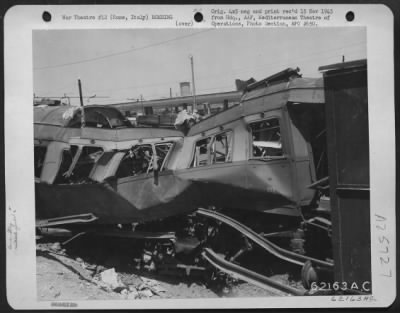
(57, 133)
(53, 123)
(177, 101)
(66, 115)
(297, 90)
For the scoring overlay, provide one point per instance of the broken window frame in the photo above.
(61, 178)
(75, 159)
(149, 170)
(164, 162)
(78, 156)
(195, 162)
(229, 141)
(211, 151)
(282, 154)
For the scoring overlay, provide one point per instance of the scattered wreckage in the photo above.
(254, 175)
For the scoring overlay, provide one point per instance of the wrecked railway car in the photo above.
(256, 155)
(81, 172)
(259, 168)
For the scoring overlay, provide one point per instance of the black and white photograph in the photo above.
(217, 162)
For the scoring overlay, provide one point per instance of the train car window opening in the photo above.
(162, 150)
(100, 118)
(140, 159)
(105, 158)
(201, 152)
(213, 149)
(85, 163)
(221, 148)
(135, 161)
(39, 157)
(67, 158)
(266, 139)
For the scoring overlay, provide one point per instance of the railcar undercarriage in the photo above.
(222, 247)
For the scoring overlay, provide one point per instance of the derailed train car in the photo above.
(256, 155)
(260, 168)
(76, 168)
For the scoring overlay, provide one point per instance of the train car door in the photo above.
(270, 159)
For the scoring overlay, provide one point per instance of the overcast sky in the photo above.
(124, 64)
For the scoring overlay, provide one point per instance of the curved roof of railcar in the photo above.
(231, 96)
(50, 123)
(302, 90)
(69, 116)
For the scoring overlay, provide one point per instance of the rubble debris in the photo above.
(132, 288)
(124, 293)
(141, 287)
(158, 290)
(111, 278)
(146, 293)
(95, 280)
(153, 285)
(100, 268)
(132, 293)
(55, 247)
(90, 267)
(149, 281)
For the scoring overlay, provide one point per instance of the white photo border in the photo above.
(19, 23)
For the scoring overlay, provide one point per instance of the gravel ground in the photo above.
(61, 276)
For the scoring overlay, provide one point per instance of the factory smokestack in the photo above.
(185, 89)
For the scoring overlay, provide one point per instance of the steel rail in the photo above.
(71, 219)
(248, 275)
(60, 232)
(269, 246)
(135, 234)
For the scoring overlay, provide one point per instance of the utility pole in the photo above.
(170, 92)
(141, 102)
(82, 108)
(194, 87)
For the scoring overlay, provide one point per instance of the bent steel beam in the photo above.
(248, 275)
(272, 248)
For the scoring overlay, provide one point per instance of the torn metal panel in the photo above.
(248, 185)
(134, 200)
(138, 199)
